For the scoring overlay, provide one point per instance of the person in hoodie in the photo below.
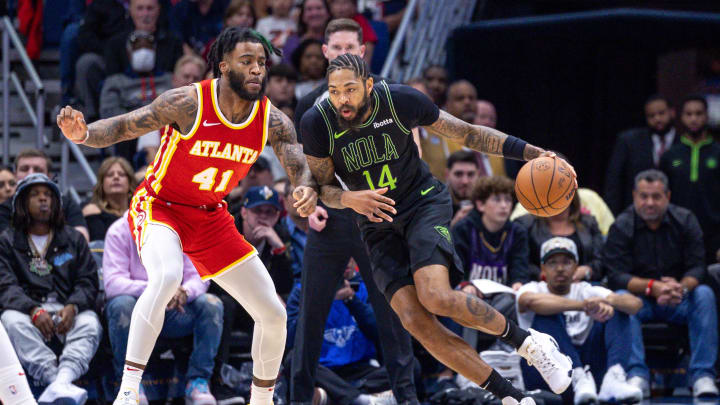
(490, 245)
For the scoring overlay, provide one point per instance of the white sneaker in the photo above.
(705, 387)
(584, 386)
(383, 398)
(616, 388)
(63, 393)
(127, 396)
(641, 383)
(541, 350)
(513, 401)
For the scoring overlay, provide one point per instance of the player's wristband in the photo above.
(37, 313)
(514, 148)
(648, 289)
(87, 136)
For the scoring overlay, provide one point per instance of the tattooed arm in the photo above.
(281, 134)
(323, 170)
(177, 106)
(476, 137)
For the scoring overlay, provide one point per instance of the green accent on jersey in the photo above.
(350, 157)
(363, 152)
(390, 149)
(329, 128)
(677, 163)
(392, 109)
(444, 232)
(339, 134)
(695, 156)
(427, 190)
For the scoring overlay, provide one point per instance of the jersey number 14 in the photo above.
(386, 178)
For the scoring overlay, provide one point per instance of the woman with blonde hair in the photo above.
(111, 196)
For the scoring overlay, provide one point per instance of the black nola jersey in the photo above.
(381, 152)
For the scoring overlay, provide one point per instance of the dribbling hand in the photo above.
(72, 124)
(371, 203)
(305, 200)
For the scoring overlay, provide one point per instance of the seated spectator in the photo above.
(693, 169)
(297, 228)
(103, 20)
(7, 184)
(279, 25)
(314, 17)
(260, 174)
(310, 63)
(436, 80)
(590, 203)
(136, 86)
(190, 312)
(197, 22)
(349, 9)
(574, 224)
(460, 175)
(655, 250)
(490, 246)
(48, 288)
(346, 370)
(590, 324)
(490, 165)
(111, 196)
(239, 13)
(281, 85)
(258, 223)
(639, 149)
(30, 161)
(68, 47)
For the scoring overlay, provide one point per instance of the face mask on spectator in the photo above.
(143, 60)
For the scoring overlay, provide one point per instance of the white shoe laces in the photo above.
(540, 359)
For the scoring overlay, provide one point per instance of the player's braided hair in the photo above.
(352, 62)
(229, 38)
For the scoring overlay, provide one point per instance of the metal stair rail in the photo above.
(423, 37)
(37, 115)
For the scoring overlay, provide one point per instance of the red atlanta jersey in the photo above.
(202, 166)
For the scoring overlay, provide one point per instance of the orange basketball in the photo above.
(544, 186)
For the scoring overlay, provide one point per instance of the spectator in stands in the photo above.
(490, 245)
(489, 165)
(590, 324)
(7, 184)
(436, 80)
(693, 169)
(48, 287)
(281, 85)
(461, 173)
(260, 174)
(239, 13)
(574, 224)
(655, 250)
(165, 45)
(346, 371)
(197, 22)
(192, 311)
(462, 100)
(136, 86)
(485, 114)
(189, 69)
(258, 222)
(279, 25)
(639, 149)
(314, 17)
(297, 228)
(349, 9)
(111, 196)
(103, 20)
(311, 64)
(434, 148)
(31, 161)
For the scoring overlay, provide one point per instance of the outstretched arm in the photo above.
(476, 137)
(283, 139)
(177, 106)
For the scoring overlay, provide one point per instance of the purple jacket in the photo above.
(124, 273)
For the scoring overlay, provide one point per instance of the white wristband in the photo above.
(87, 136)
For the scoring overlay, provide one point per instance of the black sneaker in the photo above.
(226, 395)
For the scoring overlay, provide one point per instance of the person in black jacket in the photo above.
(48, 290)
(639, 149)
(490, 246)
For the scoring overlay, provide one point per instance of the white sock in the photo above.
(261, 395)
(132, 376)
(65, 375)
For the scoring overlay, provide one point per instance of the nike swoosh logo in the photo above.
(131, 369)
(210, 124)
(339, 134)
(423, 192)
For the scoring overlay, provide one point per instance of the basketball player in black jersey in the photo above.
(361, 133)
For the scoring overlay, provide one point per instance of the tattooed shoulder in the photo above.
(280, 128)
(180, 106)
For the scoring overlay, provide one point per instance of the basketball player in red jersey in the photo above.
(213, 132)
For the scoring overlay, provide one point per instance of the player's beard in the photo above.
(359, 114)
(237, 84)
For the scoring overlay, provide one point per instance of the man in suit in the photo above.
(639, 149)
